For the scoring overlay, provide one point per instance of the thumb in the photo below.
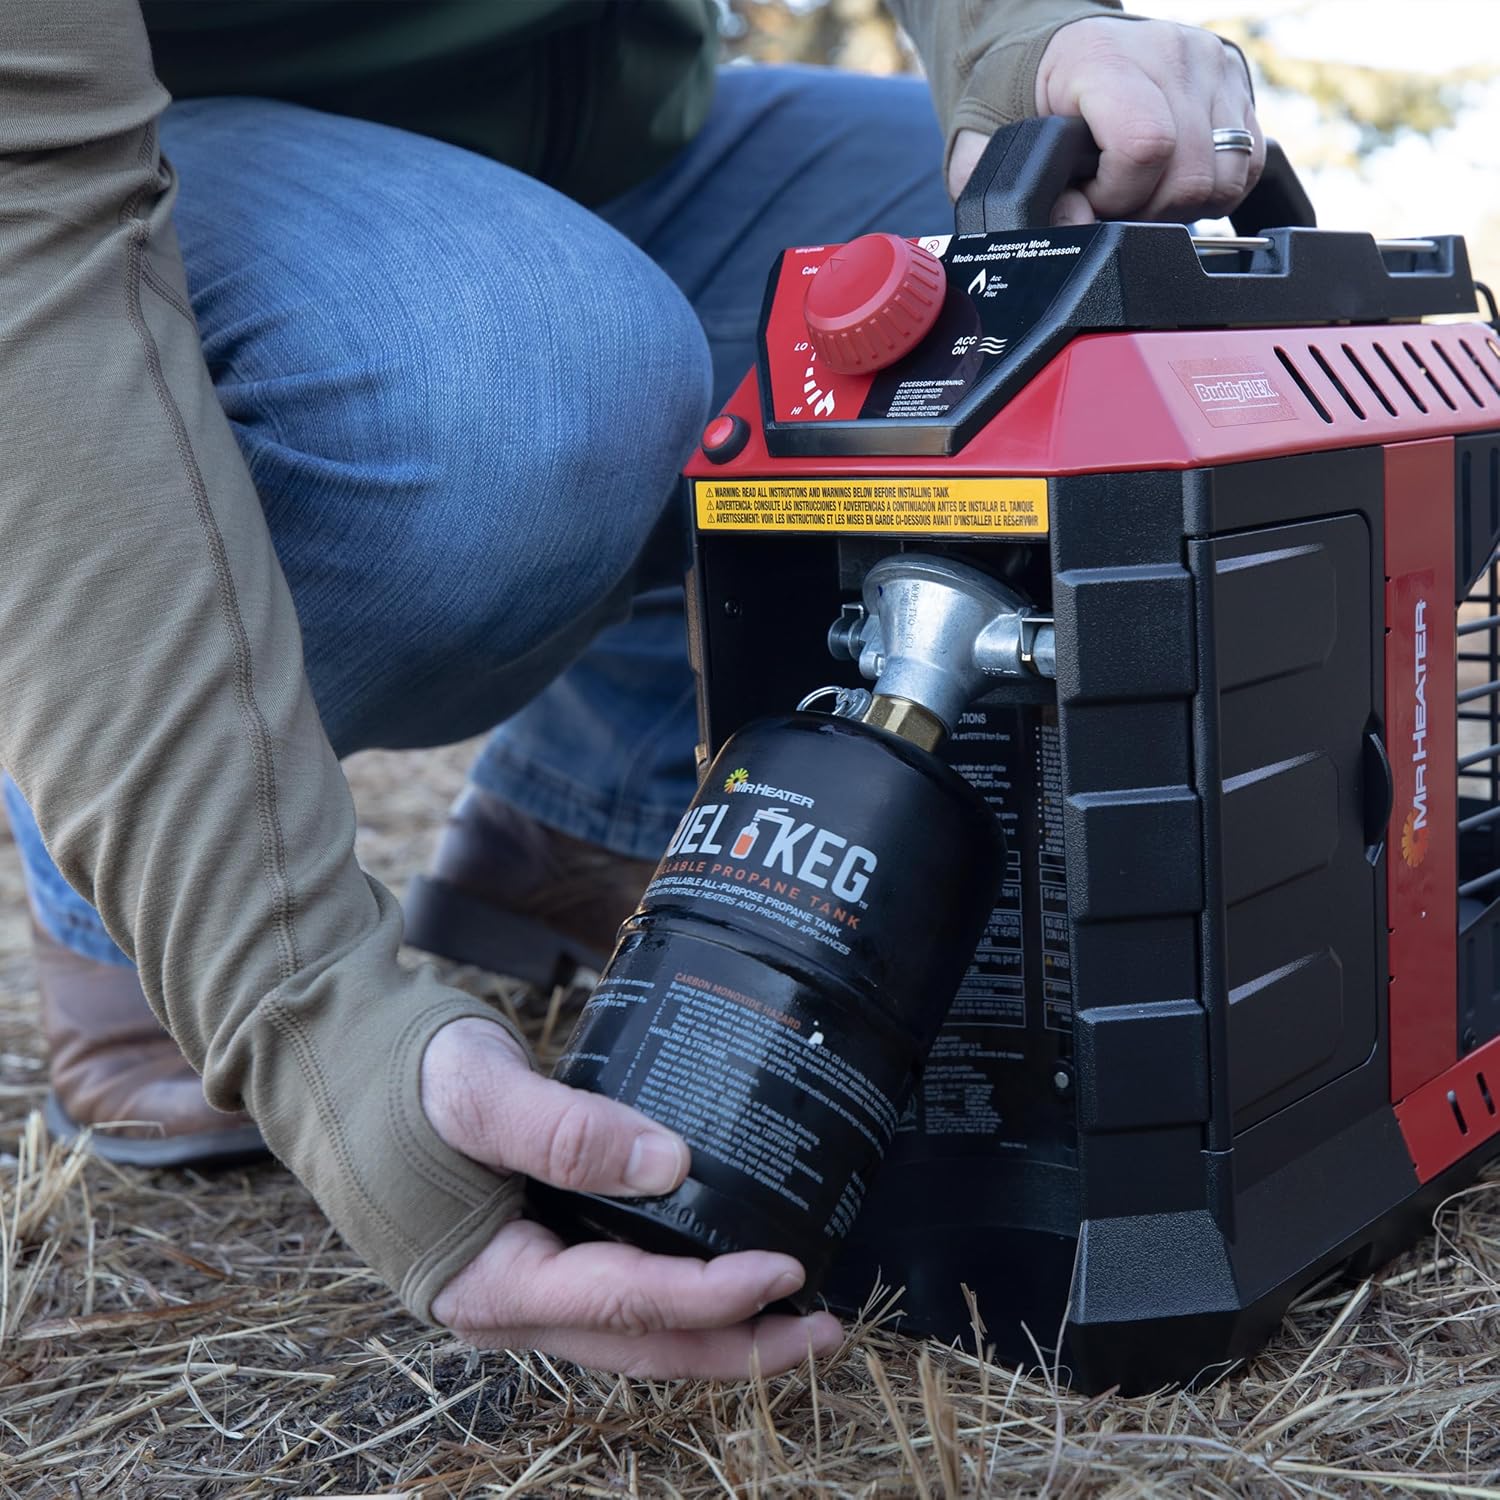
(483, 1099)
(968, 147)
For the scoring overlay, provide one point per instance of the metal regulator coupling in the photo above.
(934, 635)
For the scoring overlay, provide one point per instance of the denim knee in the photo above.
(592, 423)
(463, 399)
(554, 454)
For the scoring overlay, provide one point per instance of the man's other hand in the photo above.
(1153, 93)
(607, 1306)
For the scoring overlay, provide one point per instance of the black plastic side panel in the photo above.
(1195, 1239)
(1274, 491)
(1348, 622)
(1126, 677)
(765, 605)
(1293, 648)
(1476, 460)
(1159, 1299)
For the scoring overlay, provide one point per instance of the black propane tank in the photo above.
(773, 998)
(775, 995)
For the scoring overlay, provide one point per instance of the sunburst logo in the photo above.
(1414, 840)
(737, 779)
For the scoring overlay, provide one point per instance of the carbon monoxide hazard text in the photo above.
(926, 507)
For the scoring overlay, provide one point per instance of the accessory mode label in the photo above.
(910, 507)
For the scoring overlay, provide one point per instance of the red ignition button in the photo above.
(725, 438)
(873, 301)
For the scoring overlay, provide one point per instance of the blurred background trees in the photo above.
(855, 34)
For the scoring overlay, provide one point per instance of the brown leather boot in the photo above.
(113, 1060)
(511, 895)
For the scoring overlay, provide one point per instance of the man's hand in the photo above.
(607, 1306)
(1153, 93)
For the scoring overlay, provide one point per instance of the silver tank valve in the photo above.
(939, 634)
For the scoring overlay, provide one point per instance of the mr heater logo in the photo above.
(739, 780)
(1415, 833)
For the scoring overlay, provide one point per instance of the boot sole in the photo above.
(237, 1145)
(445, 920)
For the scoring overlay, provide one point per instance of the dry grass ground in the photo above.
(165, 1335)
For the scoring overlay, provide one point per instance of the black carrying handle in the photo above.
(1025, 168)
(1277, 201)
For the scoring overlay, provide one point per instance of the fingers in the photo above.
(769, 1345)
(1242, 169)
(968, 147)
(1231, 169)
(1136, 132)
(1072, 208)
(1186, 188)
(1153, 92)
(1235, 172)
(616, 1308)
(483, 1099)
(526, 1278)
(583, 1142)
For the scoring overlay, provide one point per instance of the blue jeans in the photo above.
(440, 392)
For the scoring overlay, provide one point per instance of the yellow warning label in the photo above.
(911, 507)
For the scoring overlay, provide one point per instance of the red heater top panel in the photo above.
(1180, 399)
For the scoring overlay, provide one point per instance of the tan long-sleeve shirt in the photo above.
(153, 707)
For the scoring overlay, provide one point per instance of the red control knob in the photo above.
(873, 301)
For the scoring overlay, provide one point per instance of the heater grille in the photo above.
(1479, 642)
(1478, 564)
(1435, 370)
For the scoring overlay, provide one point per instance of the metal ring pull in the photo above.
(1233, 138)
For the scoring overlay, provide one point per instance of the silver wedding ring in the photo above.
(1233, 139)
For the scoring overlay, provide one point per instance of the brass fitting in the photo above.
(910, 720)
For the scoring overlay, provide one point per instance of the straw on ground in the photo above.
(167, 1335)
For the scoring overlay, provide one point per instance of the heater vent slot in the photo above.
(1451, 1116)
(1457, 374)
(1432, 379)
(1491, 376)
(1337, 384)
(1401, 380)
(1369, 380)
(1435, 370)
(1302, 384)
